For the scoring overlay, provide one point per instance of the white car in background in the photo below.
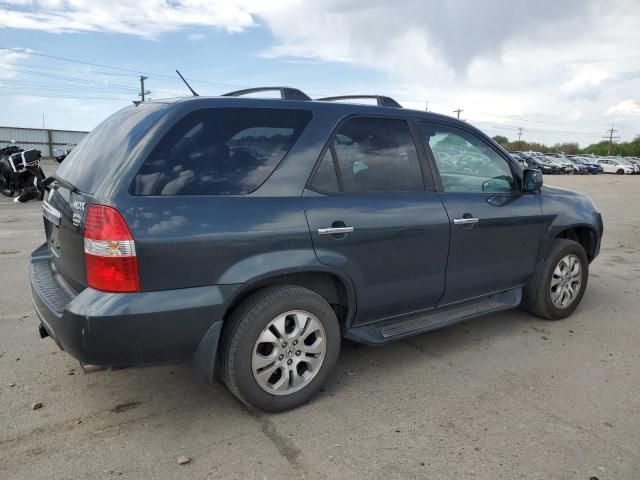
(616, 166)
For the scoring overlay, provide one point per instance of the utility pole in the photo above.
(458, 111)
(427, 109)
(143, 92)
(520, 130)
(611, 131)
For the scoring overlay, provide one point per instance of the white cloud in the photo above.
(508, 64)
(145, 18)
(7, 59)
(626, 107)
(585, 82)
(550, 67)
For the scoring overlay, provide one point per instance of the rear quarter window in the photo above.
(220, 151)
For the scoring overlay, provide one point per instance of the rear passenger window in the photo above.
(221, 151)
(377, 155)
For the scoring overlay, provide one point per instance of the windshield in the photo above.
(100, 152)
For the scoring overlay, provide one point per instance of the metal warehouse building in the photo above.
(45, 140)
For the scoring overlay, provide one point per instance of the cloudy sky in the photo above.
(561, 70)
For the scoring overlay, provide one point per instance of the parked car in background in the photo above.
(630, 163)
(616, 166)
(544, 166)
(635, 162)
(251, 235)
(520, 159)
(582, 169)
(592, 166)
(564, 165)
(538, 161)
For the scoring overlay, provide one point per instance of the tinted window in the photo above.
(221, 151)
(325, 179)
(466, 163)
(377, 156)
(99, 153)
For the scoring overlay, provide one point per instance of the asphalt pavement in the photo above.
(507, 396)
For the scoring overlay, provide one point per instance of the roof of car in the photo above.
(340, 106)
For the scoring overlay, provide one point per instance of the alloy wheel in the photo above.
(566, 281)
(289, 352)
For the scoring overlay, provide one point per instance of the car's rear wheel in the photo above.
(620, 172)
(278, 347)
(558, 286)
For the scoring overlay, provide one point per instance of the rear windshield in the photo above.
(220, 151)
(100, 152)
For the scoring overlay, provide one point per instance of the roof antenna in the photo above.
(188, 86)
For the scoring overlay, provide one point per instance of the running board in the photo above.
(405, 326)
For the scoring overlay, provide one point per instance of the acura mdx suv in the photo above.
(250, 235)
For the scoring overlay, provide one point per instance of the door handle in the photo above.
(465, 221)
(334, 230)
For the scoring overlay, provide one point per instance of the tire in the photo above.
(538, 295)
(620, 172)
(241, 350)
(4, 189)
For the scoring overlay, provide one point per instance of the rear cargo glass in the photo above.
(220, 151)
(99, 153)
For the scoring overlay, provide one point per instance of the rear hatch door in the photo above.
(81, 179)
(64, 212)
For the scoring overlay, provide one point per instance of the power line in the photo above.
(137, 72)
(102, 86)
(71, 97)
(66, 78)
(538, 130)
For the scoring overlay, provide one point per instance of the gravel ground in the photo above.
(507, 396)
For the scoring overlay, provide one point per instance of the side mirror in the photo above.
(531, 180)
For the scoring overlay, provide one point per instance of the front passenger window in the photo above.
(466, 163)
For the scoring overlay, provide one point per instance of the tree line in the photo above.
(626, 149)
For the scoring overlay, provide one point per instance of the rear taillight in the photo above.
(109, 251)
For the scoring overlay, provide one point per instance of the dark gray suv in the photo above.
(250, 235)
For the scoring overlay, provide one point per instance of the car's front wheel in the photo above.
(278, 347)
(558, 286)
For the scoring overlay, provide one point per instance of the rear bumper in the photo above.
(126, 328)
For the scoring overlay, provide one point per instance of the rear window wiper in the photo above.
(61, 181)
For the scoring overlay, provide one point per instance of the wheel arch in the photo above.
(334, 286)
(585, 235)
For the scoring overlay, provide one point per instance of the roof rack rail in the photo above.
(286, 93)
(382, 100)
